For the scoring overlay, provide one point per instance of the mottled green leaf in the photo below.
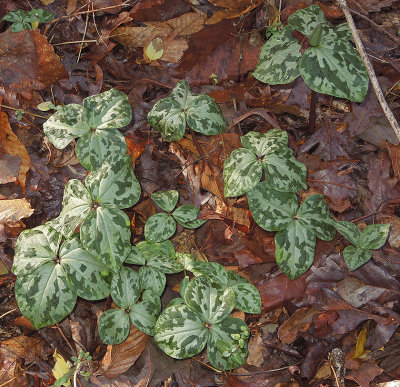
(185, 213)
(247, 298)
(350, 231)
(194, 223)
(159, 227)
(152, 278)
(166, 200)
(279, 59)
(135, 257)
(106, 234)
(263, 143)
(114, 326)
(125, 287)
(144, 316)
(272, 210)
(374, 236)
(356, 256)
(307, 19)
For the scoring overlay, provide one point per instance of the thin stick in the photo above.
(10, 311)
(20, 110)
(371, 73)
(83, 38)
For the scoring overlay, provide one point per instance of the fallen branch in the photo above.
(371, 73)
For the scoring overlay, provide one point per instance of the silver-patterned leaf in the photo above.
(76, 206)
(306, 20)
(350, 231)
(294, 249)
(214, 306)
(152, 278)
(90, 278)
(108, 110)
(314, 215)
(93, 148)
(159, 227)
(144, 316)
(135, 257)
(166, 200)
(114, 326)
(374, 236)
(114, 184)
(106, 234)
(356, 256)
(279, 59)
(45, 296)
(272, 210)
(180, 332)
(263, 143)
(247, 298)
(185, 213)
(65, 125)
(194, 223)
(125, 287)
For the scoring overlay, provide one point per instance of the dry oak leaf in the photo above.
(13, 146)
(9, 168)
(14, 209)
(232, 9)
(28, 62)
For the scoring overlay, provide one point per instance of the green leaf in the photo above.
(144, 316)
(194, 223)
(152, 278)
(45, 296)
(314, 215)
(185, 214)
(125, 287)
(294, 249)
(213, 306)
(65, 125)
(180, 332)
(114, 184)
(374, 236)
(350, 231)
(159, 227)
(93, 148)
(356, 256)
(263, 143)
(107, 110)
(106, 234)
(306, 20)
(166, 200)
(15, 16)
(279, 58)
(114, 326)
(41, 15)
(247, 298)
(272, 210)
(135, 257)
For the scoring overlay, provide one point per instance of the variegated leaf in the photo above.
(185, 214)
(181, 92)
(93, 148)
(76, 206)
(90, 278)
(106, 234)
(294, 249)
(263, 143)
(334, 67)
(356, 256)
(144, 316)
(45, 296)
(159, 227)
(307, 19)
(183, 285)
(214, 306)
(247, 298)
(65, 125)
(374, 236)
(152, 278)
(279, 59)
(114, 184)
(135, 257)
(350, 231)
(166, 200)
(272, 210)
(125, 287)
(107, 110)
(223, 332)
(314, 215)
(114, 326)
(194, 223)
(203, 115)
(180, 332)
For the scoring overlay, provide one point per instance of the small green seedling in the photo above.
(372, 237)
(27, 20)
(200, 112)
(95, 123)
(266, 152)
(20, 114)
(329, 65)
(161, 226)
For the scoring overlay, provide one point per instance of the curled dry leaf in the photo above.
(14, 210)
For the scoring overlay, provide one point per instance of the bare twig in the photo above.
(371, 73)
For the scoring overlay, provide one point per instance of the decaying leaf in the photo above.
(14, 209)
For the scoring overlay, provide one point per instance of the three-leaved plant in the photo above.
(52, 272)
(96, 125)
(329, 64)
(27, 20)
(201, 113)
(96, 207)
(203, 318)
(161, 226)
(372, 237)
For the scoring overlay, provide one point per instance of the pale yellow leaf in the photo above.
(155, 49)
(362, 339)
(61, 367)
(47, 2)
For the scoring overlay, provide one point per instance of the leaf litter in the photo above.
(215, 47)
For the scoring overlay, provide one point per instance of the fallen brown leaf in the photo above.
(14, 209)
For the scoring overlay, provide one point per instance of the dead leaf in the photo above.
(14, 209)
(119, 358)
(9, 168)
(367, 372)
(256, 348)
(233, 9)
(109, 6)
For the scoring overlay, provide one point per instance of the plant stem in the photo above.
(371, 73)
(313, 111)
(18, 110)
